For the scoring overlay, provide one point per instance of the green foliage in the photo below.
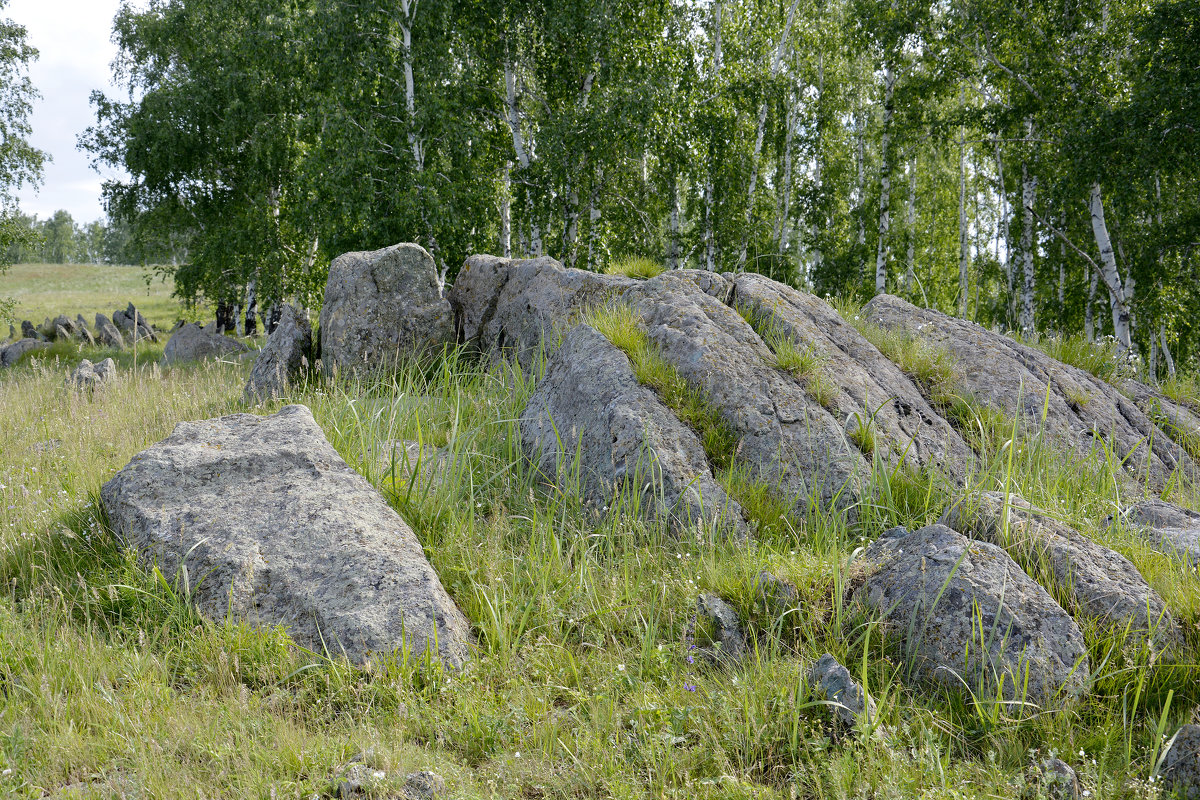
(802, 361)
(1102, 358)
(635, 267)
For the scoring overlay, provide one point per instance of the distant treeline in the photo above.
(59, 239)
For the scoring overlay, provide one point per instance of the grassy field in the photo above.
(47, 290)
(582, 682)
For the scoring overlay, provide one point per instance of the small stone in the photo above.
(108, 334)
(729, 643)
(1181, 763)
(1056, 780)
(89, 377)
(424, 785)
(850, 704)
(358, 779)
(779, 595)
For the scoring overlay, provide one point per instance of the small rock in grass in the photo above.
(89, 377)
(358, 779)
(1054, 779)
(1180, 769)
(779, 595)
(108, 334)
(424, 785)
(728, 639)
(850, 703)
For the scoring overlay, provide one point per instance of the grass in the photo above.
(803, 362)
(1102, 358)
(636, 267)
(579, 685)
(47, 290)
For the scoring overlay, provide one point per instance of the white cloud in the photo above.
(74, 38)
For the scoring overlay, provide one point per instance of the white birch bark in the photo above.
(506, 212)
(882, 249)
(964, 252)
(1028, 278)
(1166, 351)
(1089, 319)
(910, 220)
(513, 115)
(710, 243)
(673, 246)
(408, 9)
(1119, 293)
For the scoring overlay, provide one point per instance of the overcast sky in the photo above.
(74, 38)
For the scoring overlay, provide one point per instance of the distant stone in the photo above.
(848, 702)
(1172, 529)
(89, 377)
(359, 779)
(193, 343)
(1103, 585)
(424, 785)
(61, 334)
(381, 307)
(284, 359)
(29, 331)
(728, 643)
(778, 595)
(1180, 769)
(13, 352)
(80, 322)
(260, 520)
(66, 323)
(108, 334)
(971, 619)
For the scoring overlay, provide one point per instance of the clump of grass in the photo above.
(803, 362)
(621, 326)
(771, 515)
(1183, 389)
(1102, 358)
(636, 267)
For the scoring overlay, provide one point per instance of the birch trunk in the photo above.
(1119, 294)
(710, 244)
(506, 213)
(860, 178)
(910, 220)
(673, 247)
(594, 223)
(1028, 278)
(1166, 351)
(964, 252)
(1089, 319)
(885, 182)
(513, 115)
(818, 255)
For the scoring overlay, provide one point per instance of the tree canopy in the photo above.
(1032, 166)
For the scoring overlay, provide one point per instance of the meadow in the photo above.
(583, 681)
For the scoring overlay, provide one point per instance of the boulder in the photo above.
(65, 322)
(847, 701)
(509, 306)
(89, 377)
(133, 324)
(259, 519)
(29, 331)
(10, 354)
(1082, 410)
(1179, 420)
(865, 385)
(381, 306)
(971, 619)
(1103, 585)
(85, 337)
(1180, 770)
(194, 343)
(589, 410)
(1170, 528)
(284, 359)
(61, 334)
(423, 785)
(80, 322)
(728, 643)
(108, 334)
(785, 438)
(1054, 779)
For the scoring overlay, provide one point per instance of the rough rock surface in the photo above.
(10, 354)
(194, 343)
(510, 305)
(1014, 378)
(590, 399)
(107, 333)
(64, 322)
(1103, 585)
(1180, 420)
(1054, 779)
(275, 529)
(133, 325)
(89, 377)
(61, 334)
(971, 618)
(380, 306)
(1172, 529)
(785, 438)
(729, 643)
(29, 331)
(423, 785)
(778, 595)
(867, 383)
(849, 703)
(284, 358)
(1180, 769)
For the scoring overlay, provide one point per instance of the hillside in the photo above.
(785, 435)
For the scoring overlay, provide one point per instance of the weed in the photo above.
(635, 267)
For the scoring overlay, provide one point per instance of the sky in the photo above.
(74, 38)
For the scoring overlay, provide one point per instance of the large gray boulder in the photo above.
(971, 619)
(867, 388)
(108, 334)
(13, 352)
(1103, 585)
(382, 306)
(590, 405)
(1172, 529)
(1083, 410)
(66, 323)
(194, 343)
(261, 520)
(285, 357)
(88, 377)
(511, 306)
(785, 438)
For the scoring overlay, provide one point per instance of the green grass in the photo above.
(1183, 389)
(1101, 358)
(803, 362)
(579, 685)
(636, 267)
(47, 290)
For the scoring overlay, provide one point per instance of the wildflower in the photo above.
(689, 687)
(690, 660)
(620, 667)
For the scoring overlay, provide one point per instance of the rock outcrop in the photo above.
(194, 343)
(1170, 528)
(1104, 586)
(971, 619)
(284, 359)
(259, 519)
(590, 405)
(13, 352)
(107, 333)
(1080, 409)
(867, 388)
(381, 306)
(88, 376)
